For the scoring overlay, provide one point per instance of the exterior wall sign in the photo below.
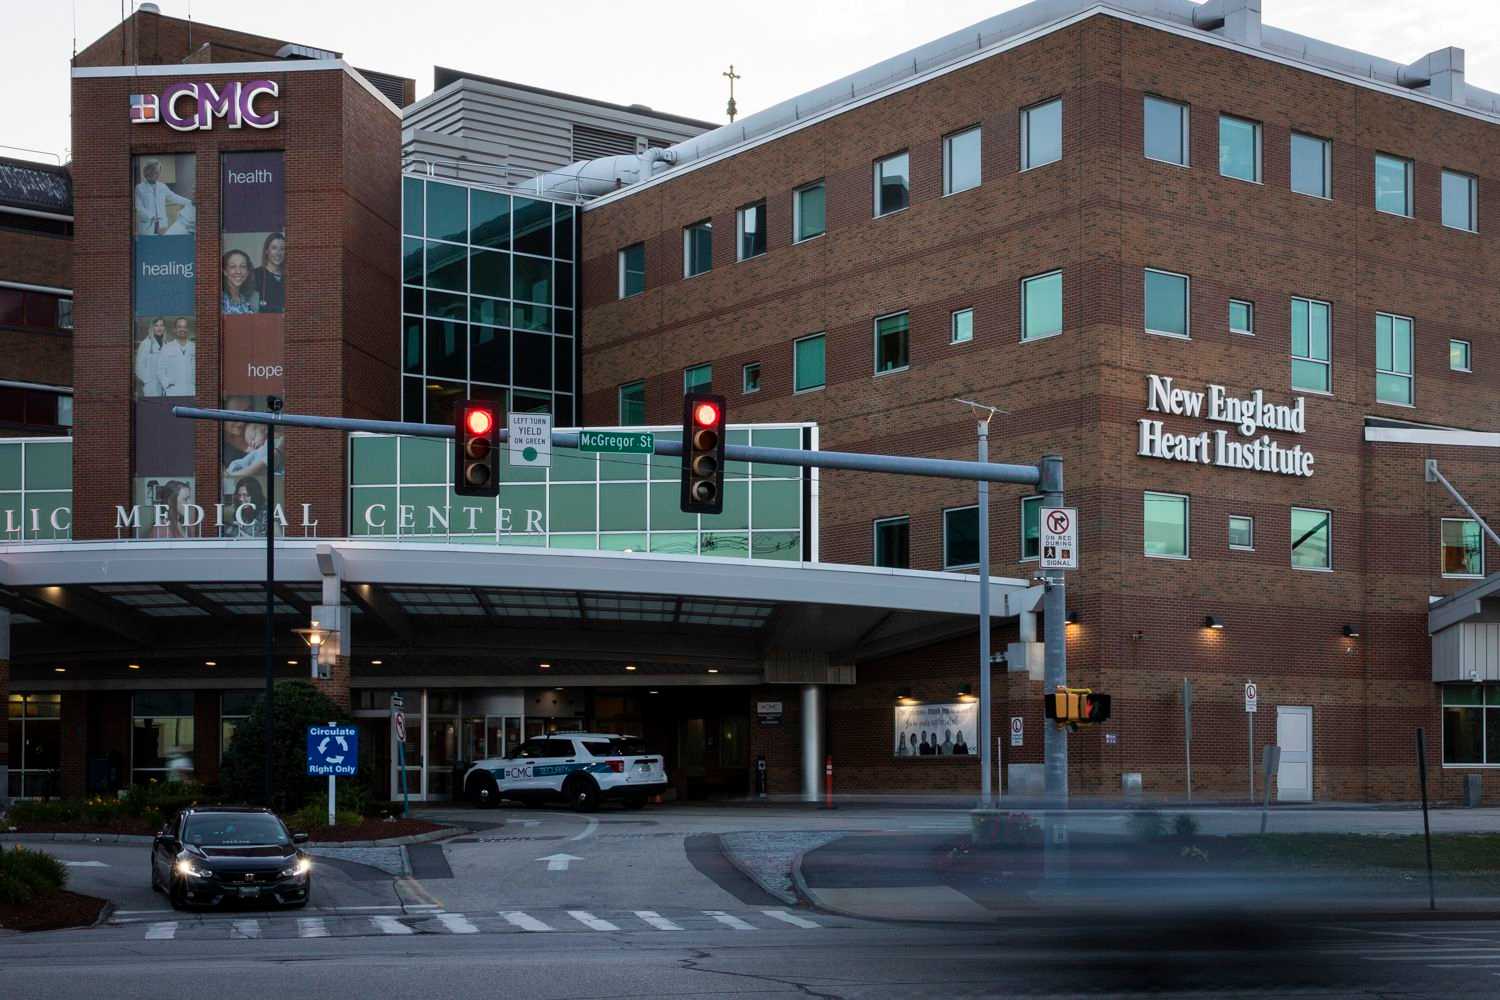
(945, 730)
(1250, 415)
(189, 105)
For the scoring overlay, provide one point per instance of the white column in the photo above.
(812, 741)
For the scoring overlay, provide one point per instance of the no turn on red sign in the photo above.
(1058, 537)
(1252, 696)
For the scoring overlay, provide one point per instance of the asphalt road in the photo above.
(544, 903)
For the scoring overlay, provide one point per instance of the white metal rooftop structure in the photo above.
(1436, 78)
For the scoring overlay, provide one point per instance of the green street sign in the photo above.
(618, 442)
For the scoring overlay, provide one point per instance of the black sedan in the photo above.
(206, 856)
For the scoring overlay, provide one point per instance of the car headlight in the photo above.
(186, 866)
(301, 868)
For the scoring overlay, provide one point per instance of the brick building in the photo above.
(36, 298)
(1238, 279)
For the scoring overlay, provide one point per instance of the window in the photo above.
(632, 404)
(632, 270)
(1467, 709)
(1041, 134)
(234, 708)
(1166, 525)
(1041, 305)
(697, 248)
(1166, 131)
(1392, 184)
(892, 184)
(1312, 539)
(809, 213)
(1311, 365)
(1242, 317)
(893, 542)
(808, 363)
(34, 736)
(162, 736)
(1393, 382)
(960, 537)
(751, 379)
(1031, 513)
(1241, 532)
(35, 310)
(1312, 166)
(699, 378)
(1460, 202)
(65, 314)
(892, 341)
(1462, 548)
(1166, 303)
(961, 326)
(750, 227)
(1458, 355)
(961, 161)
(1239, 148)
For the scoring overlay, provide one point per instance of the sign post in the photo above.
(332, 750)
(1187, 731)
(398, 723)
(1252, 701)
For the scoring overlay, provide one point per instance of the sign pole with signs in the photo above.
(1060, 524)
(332, 750)
(1252, 703)
(398, 724)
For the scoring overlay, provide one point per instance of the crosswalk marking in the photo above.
(656, 920)
(457, 923)
(729, 920)
(162, 931)
(590, 921)
(245, 929)
(311, 927)
(390, 925)
(525, 921)
(790, 918)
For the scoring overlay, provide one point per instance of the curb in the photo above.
(79, 838)
(105, 912)
(790, 898)
(414, 838)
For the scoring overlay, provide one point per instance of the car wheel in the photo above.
(486, 793)
(175, 893)
(582, 794)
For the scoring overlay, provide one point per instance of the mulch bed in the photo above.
(126, 825)
(51, 912)
(374, 829)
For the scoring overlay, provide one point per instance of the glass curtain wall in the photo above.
(34, 724)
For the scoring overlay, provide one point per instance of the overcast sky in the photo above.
(665, 53)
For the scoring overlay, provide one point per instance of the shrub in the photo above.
(1147, 825)
(25, 874)
(314, 817)
(1185, 826)
(297, 706)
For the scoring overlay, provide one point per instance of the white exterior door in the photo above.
(1294, 736)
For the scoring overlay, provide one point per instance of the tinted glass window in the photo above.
(1041, 134)
(533, 227)
(1166, 130)
(1310, 165)
(892, 183)
(809, 208)
(961, 161)
(960, 537)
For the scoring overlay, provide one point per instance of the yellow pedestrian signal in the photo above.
(1073, 707)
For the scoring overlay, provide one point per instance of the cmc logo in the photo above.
(235, 104)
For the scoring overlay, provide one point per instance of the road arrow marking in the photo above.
(86, 864)
(559, 862)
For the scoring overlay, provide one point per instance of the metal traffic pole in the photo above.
(273, 404)
(986, 414)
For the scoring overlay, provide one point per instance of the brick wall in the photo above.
(1102, 215)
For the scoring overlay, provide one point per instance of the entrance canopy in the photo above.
(480, 609)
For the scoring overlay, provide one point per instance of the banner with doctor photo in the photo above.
(944, 730)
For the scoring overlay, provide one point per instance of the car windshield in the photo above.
(235, 830)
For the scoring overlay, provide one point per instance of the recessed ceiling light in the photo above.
(61, 670)
(376, 663)
(290, 663)
(630, 666)
(713, 670)
(557, 689)
(134, 666)
(654, 692)
(545, 666)
(210, 663)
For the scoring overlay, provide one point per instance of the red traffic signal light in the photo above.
(702, 454)
(476, 440)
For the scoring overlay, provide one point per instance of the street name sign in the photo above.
(333, 750)
(1058, 528)
(530, 439)
(618, 442)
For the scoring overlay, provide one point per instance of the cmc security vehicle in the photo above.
(210, 855)
(580, 769)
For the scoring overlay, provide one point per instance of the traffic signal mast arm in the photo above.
(942, 468)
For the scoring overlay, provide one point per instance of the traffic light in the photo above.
(702, 453)
(1074, 707)
(476, 449)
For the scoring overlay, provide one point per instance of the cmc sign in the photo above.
(1249, 414)
(192, 104)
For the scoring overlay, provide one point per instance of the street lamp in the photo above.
(316, 638)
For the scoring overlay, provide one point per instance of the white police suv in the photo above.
(580, 769)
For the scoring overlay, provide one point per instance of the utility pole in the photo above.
(732, 110)
(273, 404)
(1055, 666)
(986, 751)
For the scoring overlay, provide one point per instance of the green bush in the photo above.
(242, 774)
(1185, 826)
(314, 816)
(1147, 825)
(150, 803)
(26, 874)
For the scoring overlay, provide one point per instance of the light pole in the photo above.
(986, 751)
(273, 404)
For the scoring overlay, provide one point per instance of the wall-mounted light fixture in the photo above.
(1072, 616)
(1351, 631)
(903, 696)
(966, 693)
(1212, 621)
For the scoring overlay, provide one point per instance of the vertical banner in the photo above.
(252, 308)
(164, 342)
